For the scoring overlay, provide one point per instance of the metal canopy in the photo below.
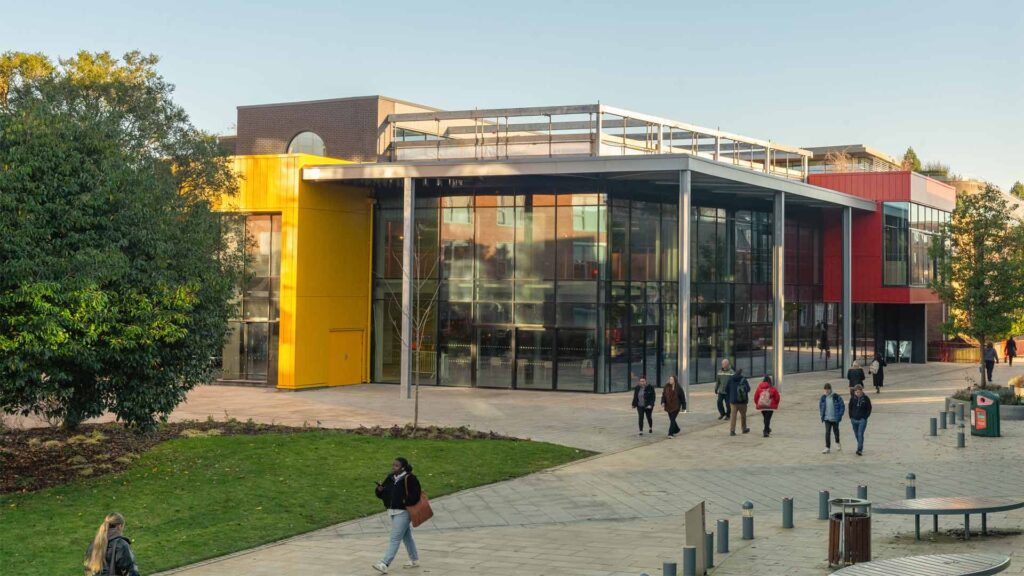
(707, 175)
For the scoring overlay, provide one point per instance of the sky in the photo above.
(944, 77)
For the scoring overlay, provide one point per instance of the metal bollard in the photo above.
(823, 505)
(911, 486)
(709, 549)
(668, 569)
(960, 409)
(748, 520)
(787, 512)
(942, 420)
(862, 492)
(952, 417)
(689, 561)
(932, 431)
(961, 440)
(723, 536)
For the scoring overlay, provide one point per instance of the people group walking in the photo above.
(643, 402)
(860, 411)
(672, 400)
(766, 399)
(738, 393)
(831, 408)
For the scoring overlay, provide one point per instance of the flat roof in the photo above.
(707, 173)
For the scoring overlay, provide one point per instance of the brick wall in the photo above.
(348, 126)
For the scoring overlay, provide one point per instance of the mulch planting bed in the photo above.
(36, 458)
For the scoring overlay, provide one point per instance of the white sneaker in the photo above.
(381, 567)
(411, 564)
(839, 447)
(826, 450)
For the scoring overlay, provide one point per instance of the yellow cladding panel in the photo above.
(325, 236)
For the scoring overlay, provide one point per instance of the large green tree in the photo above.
(911, 161)
(1017, 189)
(116, 276)
(981, 267)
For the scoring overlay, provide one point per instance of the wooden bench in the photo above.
(933, 565)
(945, 506)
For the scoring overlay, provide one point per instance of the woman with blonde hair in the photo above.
(110, 553)
(855, 375)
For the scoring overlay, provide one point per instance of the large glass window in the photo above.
(894, 239)
(908, 230)
(251, 351)
(307, 143)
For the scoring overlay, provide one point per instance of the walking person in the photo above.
(673, 400)
(877, 371)
(991, 358)
(1010, 350)
(110, 553)
(400, 489)
(855, 376)
(831, 407)
(823, 348)
(766, 399)
(643, 401)
(860, 410)
(721, 389)
(738, 392)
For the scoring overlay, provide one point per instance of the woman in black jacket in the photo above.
(399, 489)
(877, 369)
(110, 553)
(855, 375)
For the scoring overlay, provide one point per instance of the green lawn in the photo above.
(191, 499)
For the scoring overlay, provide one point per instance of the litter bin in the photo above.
(984, 413)
(849, 531)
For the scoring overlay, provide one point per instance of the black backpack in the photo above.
(743, 392)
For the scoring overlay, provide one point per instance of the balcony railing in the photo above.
(586, 130)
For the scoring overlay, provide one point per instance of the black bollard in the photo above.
(823, 505)
(942, 420)
(723, 536)
(931, 428)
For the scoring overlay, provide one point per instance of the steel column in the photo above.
(408, 214)
(778, 286)
(683, 306)
(847, 288)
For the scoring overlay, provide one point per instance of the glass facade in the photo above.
(908, 231)
(572, 285)
(250, 354)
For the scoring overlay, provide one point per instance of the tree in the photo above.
(980, 271)
(425, 290)
(911, 161)
(1017, 190)
(116, 277)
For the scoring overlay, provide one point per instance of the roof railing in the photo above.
(582, 130)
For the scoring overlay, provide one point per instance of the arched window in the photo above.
(307, 143)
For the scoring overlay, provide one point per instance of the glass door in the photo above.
(493, 357)
(535, 366)
(577, 354)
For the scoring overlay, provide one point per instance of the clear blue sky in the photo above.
(944, 77)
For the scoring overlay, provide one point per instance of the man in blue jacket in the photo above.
(831, 407)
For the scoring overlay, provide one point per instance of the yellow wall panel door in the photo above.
(346, 358)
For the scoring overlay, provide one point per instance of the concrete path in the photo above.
(621, 513)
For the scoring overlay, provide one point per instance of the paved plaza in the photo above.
(621, 513)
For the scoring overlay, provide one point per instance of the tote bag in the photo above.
(419, 512)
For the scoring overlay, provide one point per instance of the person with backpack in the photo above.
(766, 400)
(721, 389)
(643, 401)
(110, 553)
(738, 392)
(831, 408)
(877, 371)
(399, 490)
(855, 376)
(673, 400)
(860, 411)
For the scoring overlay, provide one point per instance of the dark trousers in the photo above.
(767, 416)
(834, 427)
(673, 428)
(989, 365)
(1009, 360)
(723, 405)
(640, 413)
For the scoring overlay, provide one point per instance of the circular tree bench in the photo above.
(935, 507)
(932, 565)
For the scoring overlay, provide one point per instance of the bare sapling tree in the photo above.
(425, 289)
